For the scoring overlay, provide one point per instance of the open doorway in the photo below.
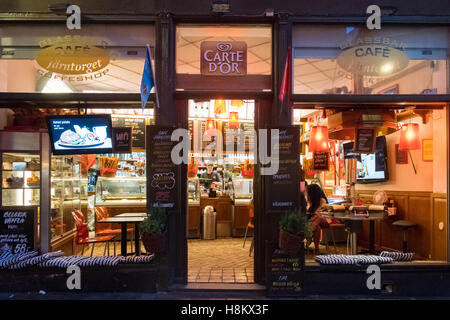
(220, 222)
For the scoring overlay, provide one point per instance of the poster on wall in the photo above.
(163, 175)
(122, 140)
(18, 229)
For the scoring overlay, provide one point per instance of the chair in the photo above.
(251, 215)
(82, 236)
(102, 229)
(331, 231)
(405, 225)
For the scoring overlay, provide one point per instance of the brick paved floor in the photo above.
(220, 261)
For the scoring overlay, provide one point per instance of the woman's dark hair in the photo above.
(315, 193)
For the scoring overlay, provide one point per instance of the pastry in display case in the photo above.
(120, 190)
(243, 188)
(68, 193)
(21, 183)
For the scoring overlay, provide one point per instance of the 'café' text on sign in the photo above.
(223, 58)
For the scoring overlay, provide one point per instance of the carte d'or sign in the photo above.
(223, 58)
(73, 56)
(373, 58)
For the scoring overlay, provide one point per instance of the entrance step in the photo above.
(218, 291)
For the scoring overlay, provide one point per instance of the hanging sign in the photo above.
(365, 140)
(223, 58)
(320, 161)
(18, 229)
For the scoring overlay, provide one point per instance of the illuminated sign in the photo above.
(77, 58)
(223, 58)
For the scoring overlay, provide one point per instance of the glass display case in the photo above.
(68, 193)
(193, 189)
(243, 188)
(120, 190)
(21, 183)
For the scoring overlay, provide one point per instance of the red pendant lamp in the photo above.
(409, 137)
(210, 127)
(219, 106)
(237, 103)
(318, 141)
(233, 122)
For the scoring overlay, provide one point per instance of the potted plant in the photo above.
(294, 228)
(153, 230)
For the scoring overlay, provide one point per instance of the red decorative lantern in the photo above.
(233, 122)
(210, 127)
(318, 141)
(409, 137)
(237, 103)
(220, 107)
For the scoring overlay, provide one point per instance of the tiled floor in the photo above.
(220, 261)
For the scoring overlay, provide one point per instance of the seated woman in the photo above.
(316, 199)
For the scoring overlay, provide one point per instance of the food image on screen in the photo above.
(80, 134)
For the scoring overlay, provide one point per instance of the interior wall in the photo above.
(10, 82)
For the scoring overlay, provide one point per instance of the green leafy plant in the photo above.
(297, 223)
(155, 222)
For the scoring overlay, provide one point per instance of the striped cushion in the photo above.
(398, 256)
(334, 259)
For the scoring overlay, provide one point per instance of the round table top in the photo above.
(343, 216)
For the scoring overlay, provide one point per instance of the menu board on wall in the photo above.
(365, 140)
(285, 274)
(191, 133)
(162, 174)
(122, 140)
(18, 229)
(206, 141)
(138, 130)
(243, 128)
(283, 187)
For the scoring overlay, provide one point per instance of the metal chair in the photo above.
(251, 215)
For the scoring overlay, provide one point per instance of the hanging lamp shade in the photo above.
(237, 103)
(409, 137)
(219, 107)
(318, 141)
(210, 127)
(233, 122)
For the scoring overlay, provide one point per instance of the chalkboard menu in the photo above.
(285, 274)
(320, 161)
(283, 187)
(207, 141)
(138, 130)
(365, 140)
(163, 175)
(122, 140)
(18, 229)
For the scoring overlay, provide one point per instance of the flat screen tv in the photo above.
(80, 134)
(372, 167)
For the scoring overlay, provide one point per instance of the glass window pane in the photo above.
(352, 59)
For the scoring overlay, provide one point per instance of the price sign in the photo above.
(18, 229)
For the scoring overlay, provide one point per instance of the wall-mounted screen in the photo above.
(83, 134)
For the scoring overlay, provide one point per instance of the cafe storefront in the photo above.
(357, 83)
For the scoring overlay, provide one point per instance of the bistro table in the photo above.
(124, 219)
(351, 218)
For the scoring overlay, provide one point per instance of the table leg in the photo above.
(123, 242)
(372, 237)
(137, 243)
(354, 244)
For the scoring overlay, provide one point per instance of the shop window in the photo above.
(234, 50)
(355, 60)
(50, 58)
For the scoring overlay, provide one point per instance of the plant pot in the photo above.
(290, 243)
(154, 244)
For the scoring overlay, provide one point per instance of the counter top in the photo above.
(121, 203)
(242, 202)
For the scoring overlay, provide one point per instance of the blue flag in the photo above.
(147, 81)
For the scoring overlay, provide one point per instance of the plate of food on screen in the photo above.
(83, 137)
